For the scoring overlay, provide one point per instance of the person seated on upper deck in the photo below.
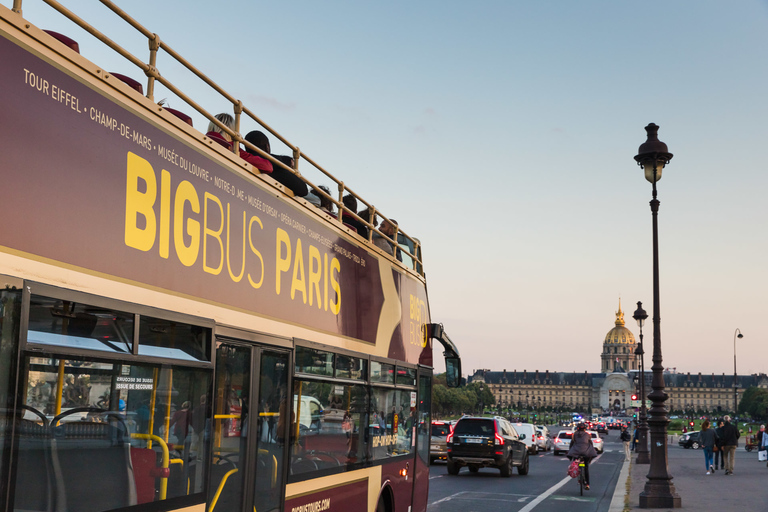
(351, 204)
(287, 178)
(383, 243)
(223, 138)
(326, 204)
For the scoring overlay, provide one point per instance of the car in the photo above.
(690, 440)
(597, 441)
(437, 447)
(478, 442)
(543, 439)
(601, 428)
(530, 436)
(562, 441)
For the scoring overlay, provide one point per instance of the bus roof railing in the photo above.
(411, 246)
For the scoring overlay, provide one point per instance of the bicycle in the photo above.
(582, 481)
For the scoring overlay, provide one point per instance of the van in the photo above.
(530, 436)
(310, 414)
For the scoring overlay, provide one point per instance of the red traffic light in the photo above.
(690, 423)
(634, 397)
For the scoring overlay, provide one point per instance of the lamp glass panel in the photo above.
(648, 167)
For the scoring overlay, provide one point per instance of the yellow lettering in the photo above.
(325, 282)
(229, 241)
(187, 254)
(216, 234)
(282, 262)
(336, 306)
(299, 280)
(256, 252)
(140, 204)
(165, 213)
(315, 274)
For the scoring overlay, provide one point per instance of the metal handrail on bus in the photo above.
(153, 74)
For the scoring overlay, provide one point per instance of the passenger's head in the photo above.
(225, 119)
(325, 203)
(259, 140)
(581, 427)
(388, 227)
(350, 202)
(705, 425)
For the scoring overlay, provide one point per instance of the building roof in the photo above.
(620, 334)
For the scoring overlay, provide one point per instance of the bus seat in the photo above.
(181, 115)
(34, 470)
(66, 41)
(144, 461)
(92, 465)
(135, 85)
(217, 137)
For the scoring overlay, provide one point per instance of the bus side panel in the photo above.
(402, 485)
(342, 498)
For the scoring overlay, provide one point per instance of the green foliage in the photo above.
(453, 402)
(754, 403)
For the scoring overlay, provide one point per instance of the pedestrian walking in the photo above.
(762, 440)
(730, 442)
(707, 440)
(719, 446)
(626, 438)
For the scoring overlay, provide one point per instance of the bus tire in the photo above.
(384, 504)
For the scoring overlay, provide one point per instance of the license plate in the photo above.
(477, 441)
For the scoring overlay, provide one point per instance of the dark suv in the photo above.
(486, 442)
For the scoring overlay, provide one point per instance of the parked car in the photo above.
(690, 440)
(530, 436)
(543, 439)
(486, 442)
(437, 446)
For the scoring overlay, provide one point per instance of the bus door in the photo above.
(248, 429)
(423, 434)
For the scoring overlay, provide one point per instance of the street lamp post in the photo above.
(736, 334)
(482, 409)
(659, 491)
(642, 420)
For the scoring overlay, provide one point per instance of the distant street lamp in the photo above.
(642, 421)
(736, 334)
(482, 409)
(659, 492)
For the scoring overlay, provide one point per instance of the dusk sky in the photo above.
(502, 135)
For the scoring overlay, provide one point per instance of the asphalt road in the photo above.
(546, 488)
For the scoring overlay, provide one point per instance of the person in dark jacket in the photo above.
(281, 175)
(581, 447)
(218, 135)
(719, 446)
(707, 440)
(730, 440)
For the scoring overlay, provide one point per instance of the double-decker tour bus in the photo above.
(180, 329)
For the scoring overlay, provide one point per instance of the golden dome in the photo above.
(620, 335)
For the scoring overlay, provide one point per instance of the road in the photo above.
(546, 488)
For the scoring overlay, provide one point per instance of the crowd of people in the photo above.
(350, 215)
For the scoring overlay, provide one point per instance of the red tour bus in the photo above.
(179, 329)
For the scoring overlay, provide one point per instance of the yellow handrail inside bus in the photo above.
(166, 459)
(235, 470)
(153, 401)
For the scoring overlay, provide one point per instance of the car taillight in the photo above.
(449, 437)
(499, 440)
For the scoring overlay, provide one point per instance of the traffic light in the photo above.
(634, 397)
(690, 423)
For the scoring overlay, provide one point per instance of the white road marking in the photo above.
(550, 491)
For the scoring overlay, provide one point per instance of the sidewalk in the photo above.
(746, 489)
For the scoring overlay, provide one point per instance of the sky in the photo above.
(502, 135)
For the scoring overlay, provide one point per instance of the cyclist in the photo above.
(581, 447)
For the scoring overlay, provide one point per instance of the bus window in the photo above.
(329, 419)
(382, 373)
(314, 362)
(393, 420)
(10, 310)
(130, 427)
(165, 338)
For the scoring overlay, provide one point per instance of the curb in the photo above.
(621, 493)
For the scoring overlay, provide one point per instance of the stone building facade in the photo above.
(613, 387)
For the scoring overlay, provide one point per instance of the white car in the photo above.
(562, 441)
(530, 436)
(543, 439)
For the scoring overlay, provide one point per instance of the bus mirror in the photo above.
(452, 371)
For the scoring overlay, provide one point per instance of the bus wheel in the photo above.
(383, 505)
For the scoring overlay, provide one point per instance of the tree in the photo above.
(754, 402)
